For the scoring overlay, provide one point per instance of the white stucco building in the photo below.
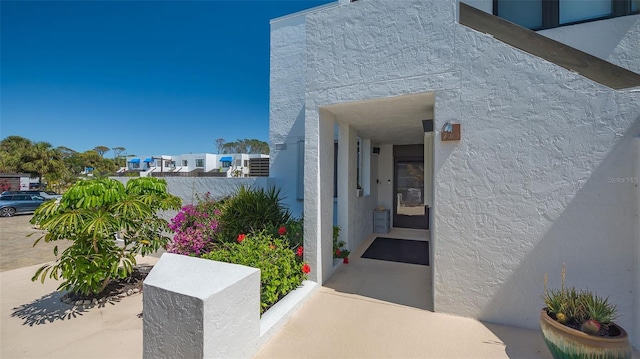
(545, 170)
(230, 165)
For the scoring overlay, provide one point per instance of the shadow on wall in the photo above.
(284, 163)
(596, 244)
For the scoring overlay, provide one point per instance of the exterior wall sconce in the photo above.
(376, 150)
(427, 125)
(281, 146)
(450, 132)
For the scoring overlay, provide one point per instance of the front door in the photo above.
(409, 208)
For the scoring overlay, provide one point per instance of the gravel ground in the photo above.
(17, 250)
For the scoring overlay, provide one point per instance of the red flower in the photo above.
(282, 230)
(306, 269)
(241, 237)
(300, 251)
(338, 252)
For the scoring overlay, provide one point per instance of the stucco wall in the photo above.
(189, 188)
(532, 182)
(286, 114)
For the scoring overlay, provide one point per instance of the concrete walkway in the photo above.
(379, 309)
(34, 323)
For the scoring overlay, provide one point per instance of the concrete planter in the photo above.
(565, 342)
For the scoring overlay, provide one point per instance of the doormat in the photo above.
(398, 250)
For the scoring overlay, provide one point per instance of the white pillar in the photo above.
(199, 308)
(636, 330)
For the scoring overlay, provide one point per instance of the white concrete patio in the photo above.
(379, 309)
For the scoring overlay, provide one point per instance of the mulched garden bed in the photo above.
(115, 291)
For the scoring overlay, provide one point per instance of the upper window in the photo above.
(546, 14)
(574, 11)
(199, 162)
(526, 13)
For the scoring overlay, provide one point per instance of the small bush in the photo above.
(252, 210)
(292, 232)
(196, 227)
(281, 270)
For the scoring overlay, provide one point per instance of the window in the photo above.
(226, 163)
(184, 162)
(238, 163)
(246, 163)
(199, 162)
(546, 14)
(526, 13)
(574, 11)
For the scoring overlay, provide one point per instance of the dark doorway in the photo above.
(409, 210)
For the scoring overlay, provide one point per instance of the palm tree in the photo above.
(42, 159)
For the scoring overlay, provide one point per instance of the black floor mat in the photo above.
(398, 250)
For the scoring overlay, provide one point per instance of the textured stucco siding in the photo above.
(532, 182)
(286, 104)
(530, 185)
(198, 308)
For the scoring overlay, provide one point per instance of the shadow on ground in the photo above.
(50, 308)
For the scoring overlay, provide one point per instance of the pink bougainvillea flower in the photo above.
(282, 230)
(306, 269)
(241, 237)
(300, 251)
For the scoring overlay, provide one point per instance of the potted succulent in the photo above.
(580, 324)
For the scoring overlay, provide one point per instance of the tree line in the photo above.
(59, 166)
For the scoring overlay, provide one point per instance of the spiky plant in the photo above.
(579, 309)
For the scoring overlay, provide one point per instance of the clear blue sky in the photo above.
(154, 77)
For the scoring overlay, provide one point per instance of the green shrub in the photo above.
(292, 232)
(281, 270)
(91, 213)
(252, 210)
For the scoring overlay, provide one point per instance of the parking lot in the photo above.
(16, 249)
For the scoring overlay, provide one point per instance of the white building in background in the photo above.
(222, 165)
(522, 157)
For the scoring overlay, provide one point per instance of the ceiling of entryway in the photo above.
(391, 120)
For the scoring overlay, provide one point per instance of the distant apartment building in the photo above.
(199, 164)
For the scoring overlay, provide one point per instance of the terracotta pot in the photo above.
(565, 342)
(345, 260)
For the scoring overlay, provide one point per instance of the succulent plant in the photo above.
(590, 327)
(579, 309)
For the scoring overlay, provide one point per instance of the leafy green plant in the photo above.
(281, 270)
(338, 246)
(578, 309)
(91, 214)
(252, 210)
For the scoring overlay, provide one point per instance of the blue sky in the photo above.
(154, 77)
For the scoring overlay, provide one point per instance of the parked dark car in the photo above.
(45, 194)
(11, 204)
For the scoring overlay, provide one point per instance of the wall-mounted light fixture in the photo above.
(281, 146)
(376, 150)
(427, 125)
(450, 132)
